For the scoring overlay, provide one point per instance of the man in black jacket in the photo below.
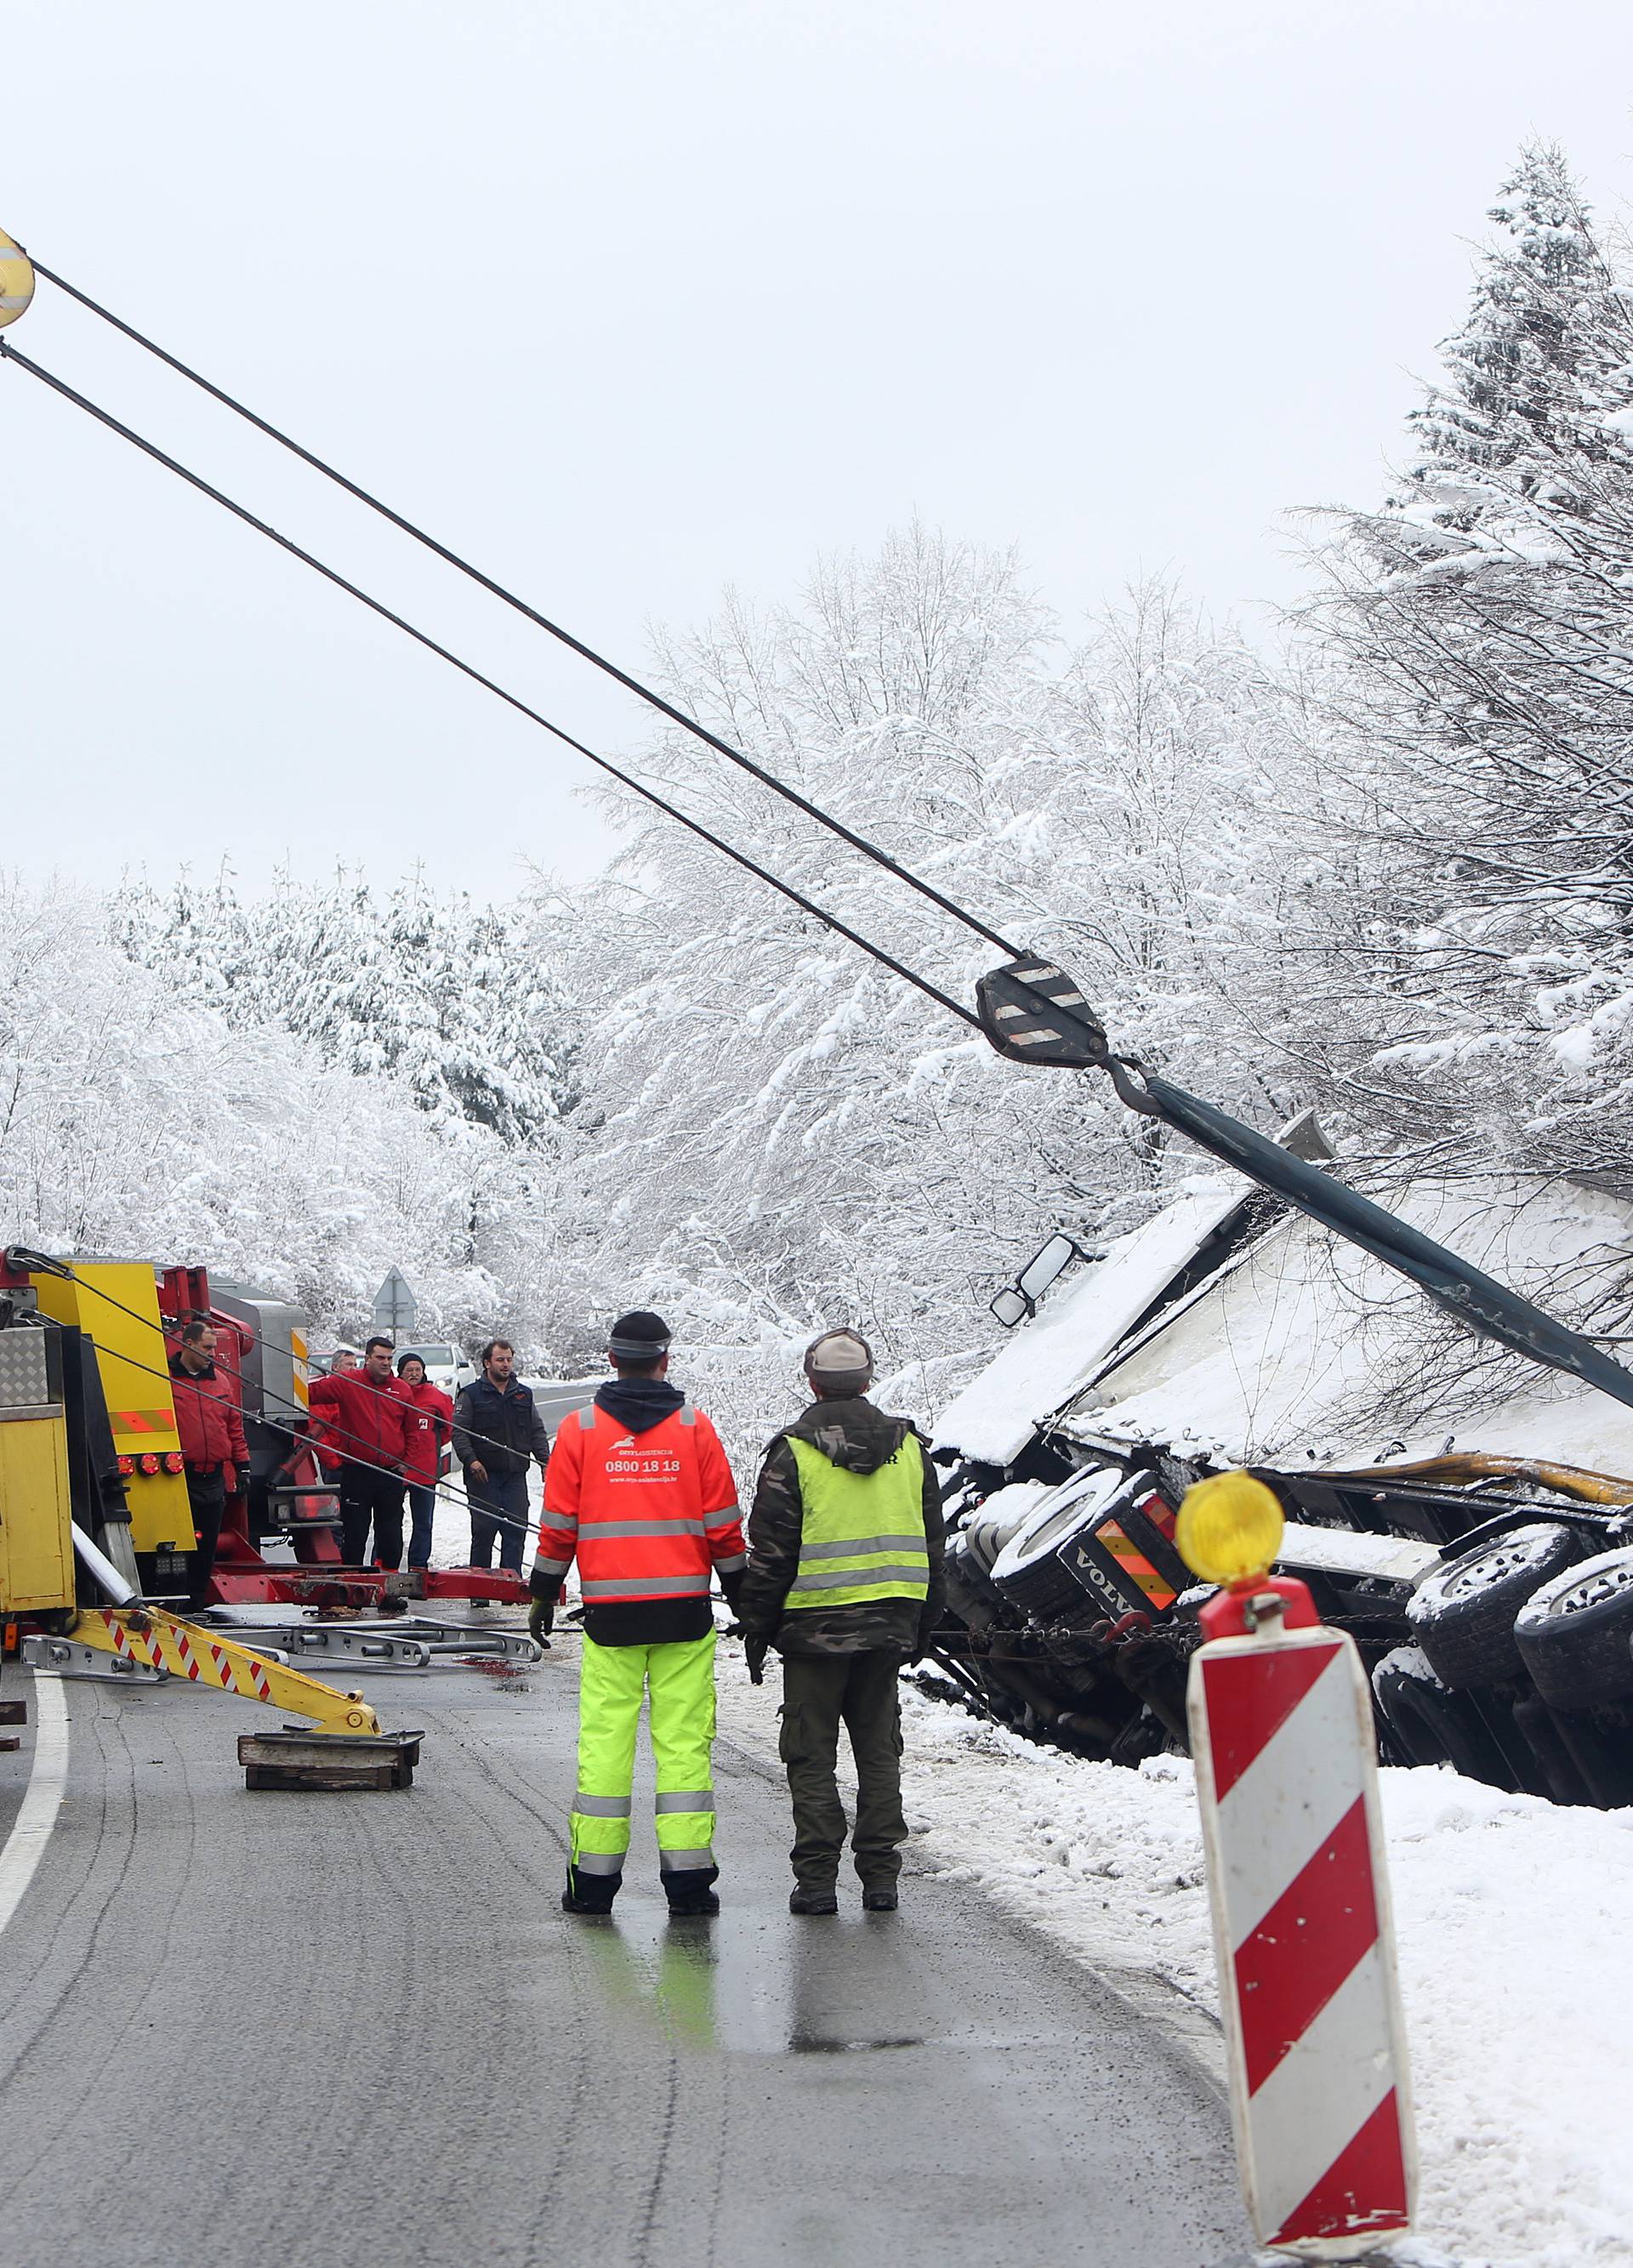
(845, 1579)
(498, 1431)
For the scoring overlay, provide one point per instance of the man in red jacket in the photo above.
(210, 1427)
(638, 1491)
(367, 1425)
(430, 1422)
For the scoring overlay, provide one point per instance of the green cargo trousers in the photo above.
(821, 1692)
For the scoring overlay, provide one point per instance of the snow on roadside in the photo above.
(1514, 1921)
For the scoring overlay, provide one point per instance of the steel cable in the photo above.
(41, 1263)
(468, 669)
(294, 1433)
(634, 685)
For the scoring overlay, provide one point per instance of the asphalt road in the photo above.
(339, 2029)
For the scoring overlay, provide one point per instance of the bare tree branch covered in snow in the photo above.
(776, 1131)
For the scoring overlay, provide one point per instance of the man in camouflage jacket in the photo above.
(845, 1579)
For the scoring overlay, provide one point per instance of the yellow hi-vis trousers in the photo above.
(613, 1682)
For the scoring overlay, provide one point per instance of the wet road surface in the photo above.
(357, 2029)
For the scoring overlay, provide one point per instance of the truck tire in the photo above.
(1462, 1615)
(1432, 1724)
(969, 1588)
(1575, 1634)
(1028, 1572)
(990, 1525)
(1602, 1754)
(1543, 1736)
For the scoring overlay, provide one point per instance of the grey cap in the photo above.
(840, 1358)
(638, 1336)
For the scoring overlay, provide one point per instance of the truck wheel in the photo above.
(1432, 1724)
(970, 1591)
(1599, 1751)
(1574, 1635)
(1543, 1736)
(1027, 1572)
(1462, 1616)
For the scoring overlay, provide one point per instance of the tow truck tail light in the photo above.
(174, 1461)
(127, 1466)
(150, 1463)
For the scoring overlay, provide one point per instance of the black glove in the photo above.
(542, 1621)
(243, 1480)
(754, 1654)
(732, 1585)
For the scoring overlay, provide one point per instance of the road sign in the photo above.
(396, 1310)
(1282, 1730)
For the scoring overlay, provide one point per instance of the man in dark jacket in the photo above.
(366, 1425)
(210, 1426)
(845, 1579)
(497, 1433)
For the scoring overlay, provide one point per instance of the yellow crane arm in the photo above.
(1481, 1465)
(155, 1640)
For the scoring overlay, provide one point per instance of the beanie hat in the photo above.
(839, 1362)
(638, 1336)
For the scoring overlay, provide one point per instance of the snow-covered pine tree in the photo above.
(1481, 623)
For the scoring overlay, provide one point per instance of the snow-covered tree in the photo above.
(1481, 626)
(133, 1120)
(421, 987)
(776, 1131)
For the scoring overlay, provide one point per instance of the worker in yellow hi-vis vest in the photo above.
(845, 1580)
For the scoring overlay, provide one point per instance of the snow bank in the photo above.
(1050, 1357)
(1515, 1927)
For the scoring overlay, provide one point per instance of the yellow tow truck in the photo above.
(64, 1591)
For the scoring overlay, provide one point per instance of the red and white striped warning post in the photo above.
(1281, 1730)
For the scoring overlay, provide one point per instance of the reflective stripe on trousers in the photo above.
(613, 1682)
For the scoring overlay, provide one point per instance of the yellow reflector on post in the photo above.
(17, 280)
(1230, 1528)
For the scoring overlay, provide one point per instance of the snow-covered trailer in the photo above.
(1462, 1518)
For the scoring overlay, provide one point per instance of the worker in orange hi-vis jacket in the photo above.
(638, 1491)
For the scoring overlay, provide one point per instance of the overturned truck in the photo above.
(1484, 1566)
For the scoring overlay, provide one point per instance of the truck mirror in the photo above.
(1044, 1265)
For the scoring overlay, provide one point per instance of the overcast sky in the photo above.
(632, 298)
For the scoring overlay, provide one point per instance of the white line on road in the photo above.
(32, 1829)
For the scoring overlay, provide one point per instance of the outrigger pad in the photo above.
(1032, 1011)
(343, 1762)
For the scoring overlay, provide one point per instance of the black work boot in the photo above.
(813, 1901)
(879, 1901)
(691, 1890)
(590, 1894)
